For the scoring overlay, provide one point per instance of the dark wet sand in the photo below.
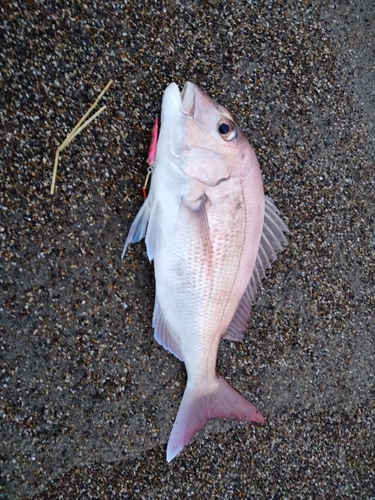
(88, 398)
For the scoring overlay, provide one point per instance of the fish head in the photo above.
(204, 140)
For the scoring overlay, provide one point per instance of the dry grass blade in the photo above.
(82, 124)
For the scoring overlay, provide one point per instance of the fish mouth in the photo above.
(188, 99)
(176, 103)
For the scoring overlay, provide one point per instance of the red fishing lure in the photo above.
(151, 155)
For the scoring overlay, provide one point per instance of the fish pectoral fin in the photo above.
(272, 240)
(163, 332)
(199, 406)
(138, 228)
(193, 217)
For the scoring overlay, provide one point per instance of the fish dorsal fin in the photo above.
(138, 228)
(163, 333)
(271, 241)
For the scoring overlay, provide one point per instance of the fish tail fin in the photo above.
(199, 406)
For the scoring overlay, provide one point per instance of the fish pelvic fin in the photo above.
(146, 225)
(199, 406)
(138, 228)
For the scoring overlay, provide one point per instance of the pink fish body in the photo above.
(211, 233)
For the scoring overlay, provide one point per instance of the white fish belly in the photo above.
(204, 268)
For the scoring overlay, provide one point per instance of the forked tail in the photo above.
(199, 406)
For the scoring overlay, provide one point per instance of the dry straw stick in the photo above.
(82, 124)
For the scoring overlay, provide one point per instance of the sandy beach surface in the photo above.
(88, 398)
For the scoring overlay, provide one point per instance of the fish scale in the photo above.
(211, 233)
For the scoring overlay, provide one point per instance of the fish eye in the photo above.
(227, 129)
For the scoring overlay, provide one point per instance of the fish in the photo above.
(211, 232)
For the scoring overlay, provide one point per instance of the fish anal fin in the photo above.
(163, 333)
(199, 406)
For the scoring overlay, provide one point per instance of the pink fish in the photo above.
(211, 233)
